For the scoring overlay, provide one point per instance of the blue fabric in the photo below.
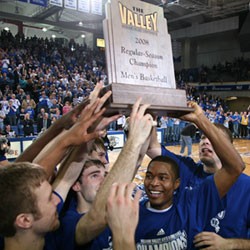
(64, 237)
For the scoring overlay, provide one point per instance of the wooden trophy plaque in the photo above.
(139, 59)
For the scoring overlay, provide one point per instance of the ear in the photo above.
(24, 221)
(76, 187)
(177, 183)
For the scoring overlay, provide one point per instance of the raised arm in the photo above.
(154, 148)
(232, 163)
(90, 225)
(69, 170)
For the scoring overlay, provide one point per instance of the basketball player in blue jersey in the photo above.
(80, 200)
(168, 224)
(227, 223)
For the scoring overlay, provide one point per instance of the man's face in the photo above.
(47, 209)
(160, 184)
(207, 154)
(90, 182)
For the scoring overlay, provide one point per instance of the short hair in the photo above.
(170, 161)
(88, 163)
(17, 182)
(98, 143)
(225, 130)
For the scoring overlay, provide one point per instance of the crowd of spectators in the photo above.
(42, 79)
(236, 71)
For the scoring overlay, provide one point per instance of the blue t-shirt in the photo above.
(65, 235)
(175, 227)
(235, 221)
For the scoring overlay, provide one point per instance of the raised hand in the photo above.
(194, 115)
(140, 124)
(79, 132)
(123, 215)
(210, 241)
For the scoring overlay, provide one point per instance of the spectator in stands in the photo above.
(43, 101)
(68, 97)
(176, 130)
(187, 135)
(31, 112)
(243, 125)
(230, 122)
(4, 81)
(170, 127)
(57, 115)
(226, 120)
(15, 102)
(41, 113)
(60, 103)
(66, 108)
(9, 132)
(23, 82)
(236, 122)
(5, 104)
(20, 94)
(4, 149)
(163, 124)
(28, 128)
(43, 123)
(27, 101)
(54, 107)
(12, 113)
(2, 117)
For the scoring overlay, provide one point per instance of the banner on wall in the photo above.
(96, 7)
(84, 6)
(26, 144)
(225, 87)
(43, 3)
(116, 139)
(15, 151)
(57, 2)
(70, 4)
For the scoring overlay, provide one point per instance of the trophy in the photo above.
(139, 59)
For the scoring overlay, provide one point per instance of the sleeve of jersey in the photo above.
(186, 165)
(207, 203)
(60, 204)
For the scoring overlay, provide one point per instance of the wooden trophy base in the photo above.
(164, 101)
